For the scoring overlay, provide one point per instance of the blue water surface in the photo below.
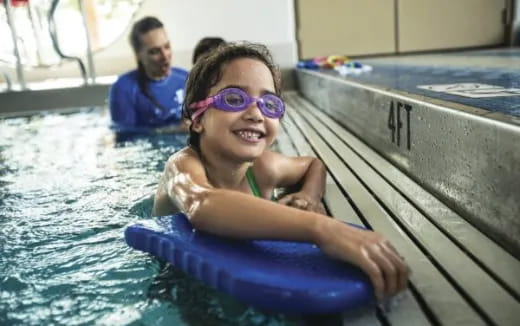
(68, 188)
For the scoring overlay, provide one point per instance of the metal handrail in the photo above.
(55, 43)
(12, 27)
(8, 81)
(90, 59)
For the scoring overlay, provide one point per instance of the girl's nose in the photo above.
(253, 113)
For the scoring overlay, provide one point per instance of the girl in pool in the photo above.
(225, 178)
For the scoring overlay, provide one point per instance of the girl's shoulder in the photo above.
(186, 152)
(184, 158)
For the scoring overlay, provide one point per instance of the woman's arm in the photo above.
(122, 107)
(233, 214)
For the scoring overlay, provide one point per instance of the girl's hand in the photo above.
(368, 250)
(302, 201)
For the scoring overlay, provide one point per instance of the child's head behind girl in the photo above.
(237, 73)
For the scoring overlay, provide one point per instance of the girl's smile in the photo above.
(250, 135)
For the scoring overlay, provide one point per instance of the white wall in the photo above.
(270, 22)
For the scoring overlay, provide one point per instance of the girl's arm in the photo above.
(233, 214)
(307, 172)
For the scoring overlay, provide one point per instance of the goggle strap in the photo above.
(204, 103)
(198, 113)
(201, 107)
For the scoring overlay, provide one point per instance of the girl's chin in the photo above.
(250, 151)
(248, 155)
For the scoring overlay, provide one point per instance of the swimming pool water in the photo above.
(68, 188)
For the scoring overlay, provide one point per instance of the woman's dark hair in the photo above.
(141, 27)
(207, 72)
(205, 45)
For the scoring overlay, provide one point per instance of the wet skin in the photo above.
(211, 187)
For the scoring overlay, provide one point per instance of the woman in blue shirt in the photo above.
(150, 96)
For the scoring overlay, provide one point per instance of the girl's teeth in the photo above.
(249, 134)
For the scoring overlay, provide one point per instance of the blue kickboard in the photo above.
(280, 276)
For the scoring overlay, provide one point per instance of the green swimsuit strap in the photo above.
(252, 182)
(254, 186)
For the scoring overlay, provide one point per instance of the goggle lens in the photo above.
(234, 99)
(272, 104)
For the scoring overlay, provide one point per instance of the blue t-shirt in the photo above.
(132, 110)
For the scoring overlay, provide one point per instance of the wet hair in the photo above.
(208, 71)
(205, 45)
(141, 27)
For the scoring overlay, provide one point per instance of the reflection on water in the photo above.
(67, 191)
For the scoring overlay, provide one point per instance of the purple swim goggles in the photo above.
(234, 100)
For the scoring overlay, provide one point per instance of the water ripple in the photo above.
(68, 189)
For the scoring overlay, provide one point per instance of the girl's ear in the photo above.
(197, 126)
